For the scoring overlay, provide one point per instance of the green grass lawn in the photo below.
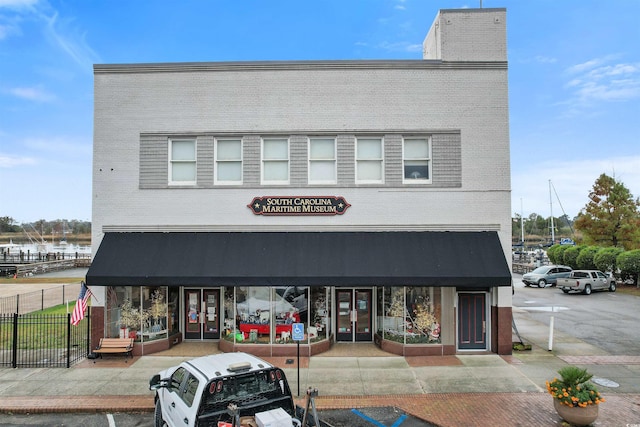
(40, 329)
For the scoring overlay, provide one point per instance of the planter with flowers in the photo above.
(575, 398)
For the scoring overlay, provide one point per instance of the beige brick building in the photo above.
(257, 204)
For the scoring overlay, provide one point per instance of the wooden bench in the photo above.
(115, 345)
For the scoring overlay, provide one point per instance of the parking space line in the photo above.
(377, 423)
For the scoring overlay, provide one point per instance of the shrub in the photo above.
(570, 256)
(585, 258)
(629, 264)
(573, 388)
(605, 259)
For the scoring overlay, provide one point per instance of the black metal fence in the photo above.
(42, 341)
(39, 300)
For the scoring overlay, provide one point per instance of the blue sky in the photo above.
(574, 81)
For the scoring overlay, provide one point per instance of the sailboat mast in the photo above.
(553, 237)
(521, 224)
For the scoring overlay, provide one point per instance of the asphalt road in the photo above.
(608, 320)
(366, 417)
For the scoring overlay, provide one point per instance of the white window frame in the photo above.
(173, 162)
(219, 161)
(428, 160)
(264, 161)
(360, 161)
(333, 159)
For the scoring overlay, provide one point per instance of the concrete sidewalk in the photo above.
(461, 390)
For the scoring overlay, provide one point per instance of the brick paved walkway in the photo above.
(601, 360)
(445, 410)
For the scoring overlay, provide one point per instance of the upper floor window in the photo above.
(275, 161)
(416, 161)
(369, 161)
(182, 161)
(322, 161)
(228, 154)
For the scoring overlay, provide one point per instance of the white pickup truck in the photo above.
(228, 389)
(586, 281)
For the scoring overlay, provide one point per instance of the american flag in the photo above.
(81, 305)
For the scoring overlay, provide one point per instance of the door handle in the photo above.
(186, 420)
(173, 404)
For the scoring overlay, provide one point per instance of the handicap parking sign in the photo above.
(297, 331)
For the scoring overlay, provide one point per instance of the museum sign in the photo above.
(298, 205)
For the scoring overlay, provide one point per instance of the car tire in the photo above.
(587, 290)
(542, 283)
(566, 291)
(612, 287)
(157, 415)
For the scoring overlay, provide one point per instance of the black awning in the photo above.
(469, 259)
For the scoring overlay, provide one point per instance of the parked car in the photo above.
(546, 275)
(199, 392)
(586, 281)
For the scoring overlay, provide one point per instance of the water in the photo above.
(34, 248)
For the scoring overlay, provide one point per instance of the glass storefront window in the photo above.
(123, 316)
(319, 322)
(139, 313)
(411, 314)
(264, 315)
(255, 315)
(423, 315)
(154, 313)
(291, 305)
(393, 322)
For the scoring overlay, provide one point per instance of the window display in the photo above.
(319, 325)
(265, 315)
(138, 313)
(411, 314)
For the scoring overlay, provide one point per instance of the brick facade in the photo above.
(457, 95)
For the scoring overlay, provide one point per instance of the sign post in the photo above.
(297, 333)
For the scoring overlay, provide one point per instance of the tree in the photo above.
(611, 217)
(629, 264)
(8, 225)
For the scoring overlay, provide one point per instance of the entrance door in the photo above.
(354, 315)
(202, 321)
(472, 324)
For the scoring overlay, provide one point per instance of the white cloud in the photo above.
(544, 59)
(74, 45)
(63, 147)
(585, 66)
(58, 31)
(8, 161)
(400, 5)
(600, 80)
(8, 29)
(17, 4)
(32, 94)
(51, 151)
(400, 47)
